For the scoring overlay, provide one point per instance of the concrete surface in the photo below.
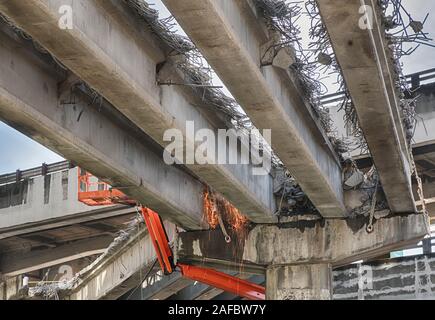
(333, 242)
(230, 37)
(368, 76)
(305, 282)
(95, 51)
(29, 102)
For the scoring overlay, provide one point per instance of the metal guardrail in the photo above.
(426, 245)
(43, 170)
(414, 79)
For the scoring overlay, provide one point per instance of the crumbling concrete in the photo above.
(301, 282)
(332, 242)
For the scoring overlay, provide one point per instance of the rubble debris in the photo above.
(324, 58)
(284, 58)
(291, 200)
(352, 176)
(361, 203)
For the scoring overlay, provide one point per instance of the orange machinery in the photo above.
(96, 193)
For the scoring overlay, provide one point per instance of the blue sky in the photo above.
(19, 152)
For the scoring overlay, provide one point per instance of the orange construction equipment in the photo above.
(210, 277)
(98, 193)
(224, 282)
(160, 240)
(93, 192)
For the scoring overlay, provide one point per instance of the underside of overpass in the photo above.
(217, 119)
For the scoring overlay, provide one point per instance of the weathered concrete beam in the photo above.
(230, 37)
(121, 271)
(368, 73)
(196, 291)
(160, 287)
(72, 219)
(120, 61)
(176, 287)
(49, 202)
(14, 264)
(191, 292)
(334, 242)
(29, 101)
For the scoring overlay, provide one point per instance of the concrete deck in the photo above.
(95, 51)
(230, 36)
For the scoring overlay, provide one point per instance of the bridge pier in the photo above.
(299, 282)
(297, 259)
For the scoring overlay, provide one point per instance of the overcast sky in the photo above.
(19, 152)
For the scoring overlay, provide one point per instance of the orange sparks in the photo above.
(215, 205)
(210, 210)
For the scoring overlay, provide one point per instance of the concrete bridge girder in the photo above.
(96, 142)
(230, 36)
(368, 75)
(95, 51)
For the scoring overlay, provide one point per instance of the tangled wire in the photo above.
(404, 35)
(26, 37)
(195, 69)
(282, 18)
(323, 61)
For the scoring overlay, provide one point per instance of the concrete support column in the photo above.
(299, 282)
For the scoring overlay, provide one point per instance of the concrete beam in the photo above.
(121, 271)
(197, 291)
(192, 292)
(334, 242)
(368, 74)
(73, 219)
(231, 37)
(43, 206)
(120, 61)
(160, 287)
(176, 287)
(29, 102)
(14, 264)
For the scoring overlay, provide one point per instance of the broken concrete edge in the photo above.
(331, 241)
(122, 243)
